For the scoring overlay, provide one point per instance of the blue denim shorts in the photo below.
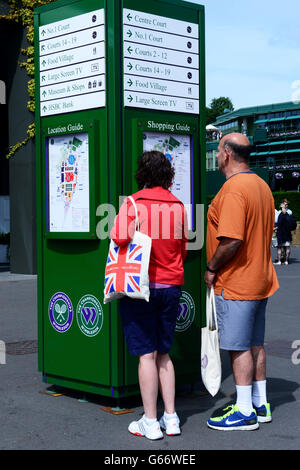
(150, 326)
(241, 323)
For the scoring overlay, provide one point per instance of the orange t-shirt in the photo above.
(244, 209)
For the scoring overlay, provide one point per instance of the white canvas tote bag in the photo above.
(126, 271)
(211, 371)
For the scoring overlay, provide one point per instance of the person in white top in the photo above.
(286, 203)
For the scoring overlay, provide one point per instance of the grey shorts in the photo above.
(241, 323)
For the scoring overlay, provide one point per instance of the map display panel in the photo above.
(178, 149)
(68, 183)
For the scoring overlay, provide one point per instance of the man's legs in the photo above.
(249, 366)
(259, 393)
(259, 362)
(242, 365)
(249, 370)
(241, 415)
(242, 329)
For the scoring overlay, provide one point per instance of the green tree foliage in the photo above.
(21, 11)
(217, 107)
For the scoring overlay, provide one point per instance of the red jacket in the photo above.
(161, 216)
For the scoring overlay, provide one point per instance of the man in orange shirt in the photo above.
(239, 233)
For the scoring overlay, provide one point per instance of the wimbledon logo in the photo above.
(186, 312)
(60, 312)
(89, 315)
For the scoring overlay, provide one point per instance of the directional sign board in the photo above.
(72, 64)
(161, 63)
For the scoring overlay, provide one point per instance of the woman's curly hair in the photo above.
(154, 169)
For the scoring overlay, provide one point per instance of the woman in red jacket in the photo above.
(149, 326)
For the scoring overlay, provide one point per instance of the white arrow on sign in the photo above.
(161, 71)
(73, 72)
(159, 39)
(76, 103)
(69, 41)
(160, 23)
(70, 25)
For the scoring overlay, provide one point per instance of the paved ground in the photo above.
(30, 419)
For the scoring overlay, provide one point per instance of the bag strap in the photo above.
(137, 223)
(211, 312)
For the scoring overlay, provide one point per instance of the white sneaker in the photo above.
(141, 428)
(171, 425)
(277, 263)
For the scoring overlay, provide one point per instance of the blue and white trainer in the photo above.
(234, 420)
(263, 412)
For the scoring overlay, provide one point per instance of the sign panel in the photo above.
(164, 56)
(162, 87)
(163, 103)
(178, 149)
(75, 56)
(72, 72)
(153, 38)
(68, 183)
(161, 57)
(74, 103)
(69, 25)
(72, 88)
(167, 72)
(69, 41)
(72, 64)
(160, 23)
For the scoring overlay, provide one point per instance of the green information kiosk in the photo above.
(113, 78)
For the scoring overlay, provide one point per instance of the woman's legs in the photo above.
(166, 377)
(287, 253)
(156, 369)
(148, 380)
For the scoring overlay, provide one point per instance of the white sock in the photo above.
(170, 415)
(149, 421)
(259, 393)
(244, 399)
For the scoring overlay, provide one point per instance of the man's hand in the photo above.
(209, 279)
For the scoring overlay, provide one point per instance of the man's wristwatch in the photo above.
(214, 271)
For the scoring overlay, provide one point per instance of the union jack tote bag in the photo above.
(126, 272)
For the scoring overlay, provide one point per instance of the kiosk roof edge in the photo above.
(61, 3)
(54, 5)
